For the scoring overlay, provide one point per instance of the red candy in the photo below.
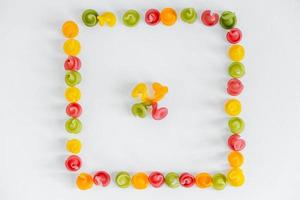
(73, 163)
(234, 35)
(159, 114)
(209, 19)
(101, 178)
(186, 180)
(234, 87)
(72, 63)
(152, 17)
(74, 110)
(156, 179)
(236, 143)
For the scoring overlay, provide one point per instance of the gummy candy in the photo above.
(168, 16)
(236, 70)
(203, 180)
(159, 91)
(72, 63)
(236, 52)
(234, 36)
(84, 181)
(172, 180)
(140, 181)
(73, 163)
(70, 29)
(140, 91)
(74, 110)
(73, 146)
(131, 18)
(236, 143)
(73, 125)
(228, 20)
(72, 47)
(235, 159)
(219, 181)
(139, 110)
(236, 177)
(123, 179)
(209, 19)
(101, 178)
(234, 87)
(152, 17)
(89, 17)
(159, 114)
(156, 179)
(186, 180)
(233, 107)
(72, 78)
(108, 18)
(236, 125)
(72, 94)
(188, 15)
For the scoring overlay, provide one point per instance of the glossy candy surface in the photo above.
(234, 87)
(72, 63)
(73, 146)
(203, 180)
(236, 177)
(89, 17)
(159, 91)
(219, 181)
(108, 18)
(186, 180)
(152, 17)
(101, 178)
(123, 179)
(236, 143)
(234, 35)
(235, 159)
(73, 163)
(70, 29)
(236, 125)
(74, 110)
(156, 179)
(71, 47)
(84, 181)
(172, 180)
(73, 125)
(72, 94)
(139, 110)
(72, 78)
(131, 18)
(159, 113)
(209, 19)
(233, 107)
(236, 52)
(168, 16)
(228, 20)
(140, 181)
(188, 15)
(236, 70)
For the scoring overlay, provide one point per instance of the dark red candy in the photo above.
(187, 180)
(209, 19)
(236, 143)
(101, 178)
(72, 63)
(234, 87)
(74, 110)
(234, 35)
(156, 179)
(152, 17)
(73, 163)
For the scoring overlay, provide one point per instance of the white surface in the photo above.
(189, 59)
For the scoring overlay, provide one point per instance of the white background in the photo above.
(190, 59)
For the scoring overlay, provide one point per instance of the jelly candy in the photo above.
(234, 36)
(236, 70)
(203, 180)
(234, 87)
(228, 20)
(72, 47)
(123, 180)
(188, 15)
(236, 125)
(70, 29)
(72, 63)
(73, 125)
(236, 52)
(108, 18)
(236, 177)
(209, 19)
(84, 181)
(168, 16)
(236, 143)
(186, 180)
(140, 181)
(235, 159)
(139, 110)
(159, 114)
(73, 146)
(172, 180)
(131, 18)
(72, 78)
(89, 17)
(74, 110)
(140, 91)
(233, 107)
(219, 181)
(72, 94)
(156, 179)
(152, 17)
(101, 178)
(73, 163)
(159, 91)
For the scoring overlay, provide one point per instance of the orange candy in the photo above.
(140, 181)
(70, 29)
(235, 159)
(168, 16)
(203, 180)
(84, 181)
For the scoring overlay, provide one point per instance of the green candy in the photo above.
(219, 181)
(172, 180)
(89, 17)
(73, 125)
(131, 18)
(123, 179)
(228, 20)
(236, 125)
(188, 15)
(236, 70)
(139, 110)
(72, 78)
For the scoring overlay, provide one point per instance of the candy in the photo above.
(73, 163)
(84, 181)
(236, 125)
(73, 146)
(203, 180)
(72, 63)
(235, 159)
(72, 47)
(209, 19)
(101, 178)
(236, 143)
(186, 180)
(74, 110)
(140, 91)
(152, 17)
(159, 114)
(72, 78)
(236, 52)
(236, 70)
(234, 87)
(168, 16)
(72, 94)
(139, 110)
(228, 20)
(123, 179)
(140, 181)
(236, 177)
(233, 107)
(89, 17)
(73, 125)
(131, 18)
(156, 179)
(188, 15)
(108, 18)
(219, 181)
(70, 29)
(159, 91)
(172, 180)
(234, 35)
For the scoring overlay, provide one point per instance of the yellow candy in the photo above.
(108, 18)
(84, 181)
(70, 29)
(72, 47)
(236, 177)
(72, 94)
(235, 159)
(140, 91)
(233, 107)
(140, 180)
(73, 146)
(236, 52)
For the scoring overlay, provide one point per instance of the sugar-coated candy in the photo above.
(236, 70)
(233, 107)
(70, 29)
(159, 91)
(84, 181)
(168, 16)
(234, 87)
(74, 110)
(236, 143)
(72, 94)
(72, 47)
(123, 179)
(186, 180)
(203, 180)
(73, 163)
(228, 20)
(156, 179)
(101, 178)
(73, 125)
(234, 35)
(219, 181)
(89, 17)
(108, 18)
(152, 17)
(236, 52)
(72, 63)
(73, 146)
(209, 19)
(72, 78)
(139, 110)
(235, 159)
(131, 18)
(172, 180)
(140, 181)
(188, 15)
(159, 113)
(236, 177)
(236, 125)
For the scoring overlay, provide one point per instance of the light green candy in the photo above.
(131, 18)
(236, 70)
(73, 125)
(123, 179)
(188, 15)
(236, 125)
(228, 20)
(89, 17)
(172, 180)
(219, 181)
(139, 110)
(72, 78)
